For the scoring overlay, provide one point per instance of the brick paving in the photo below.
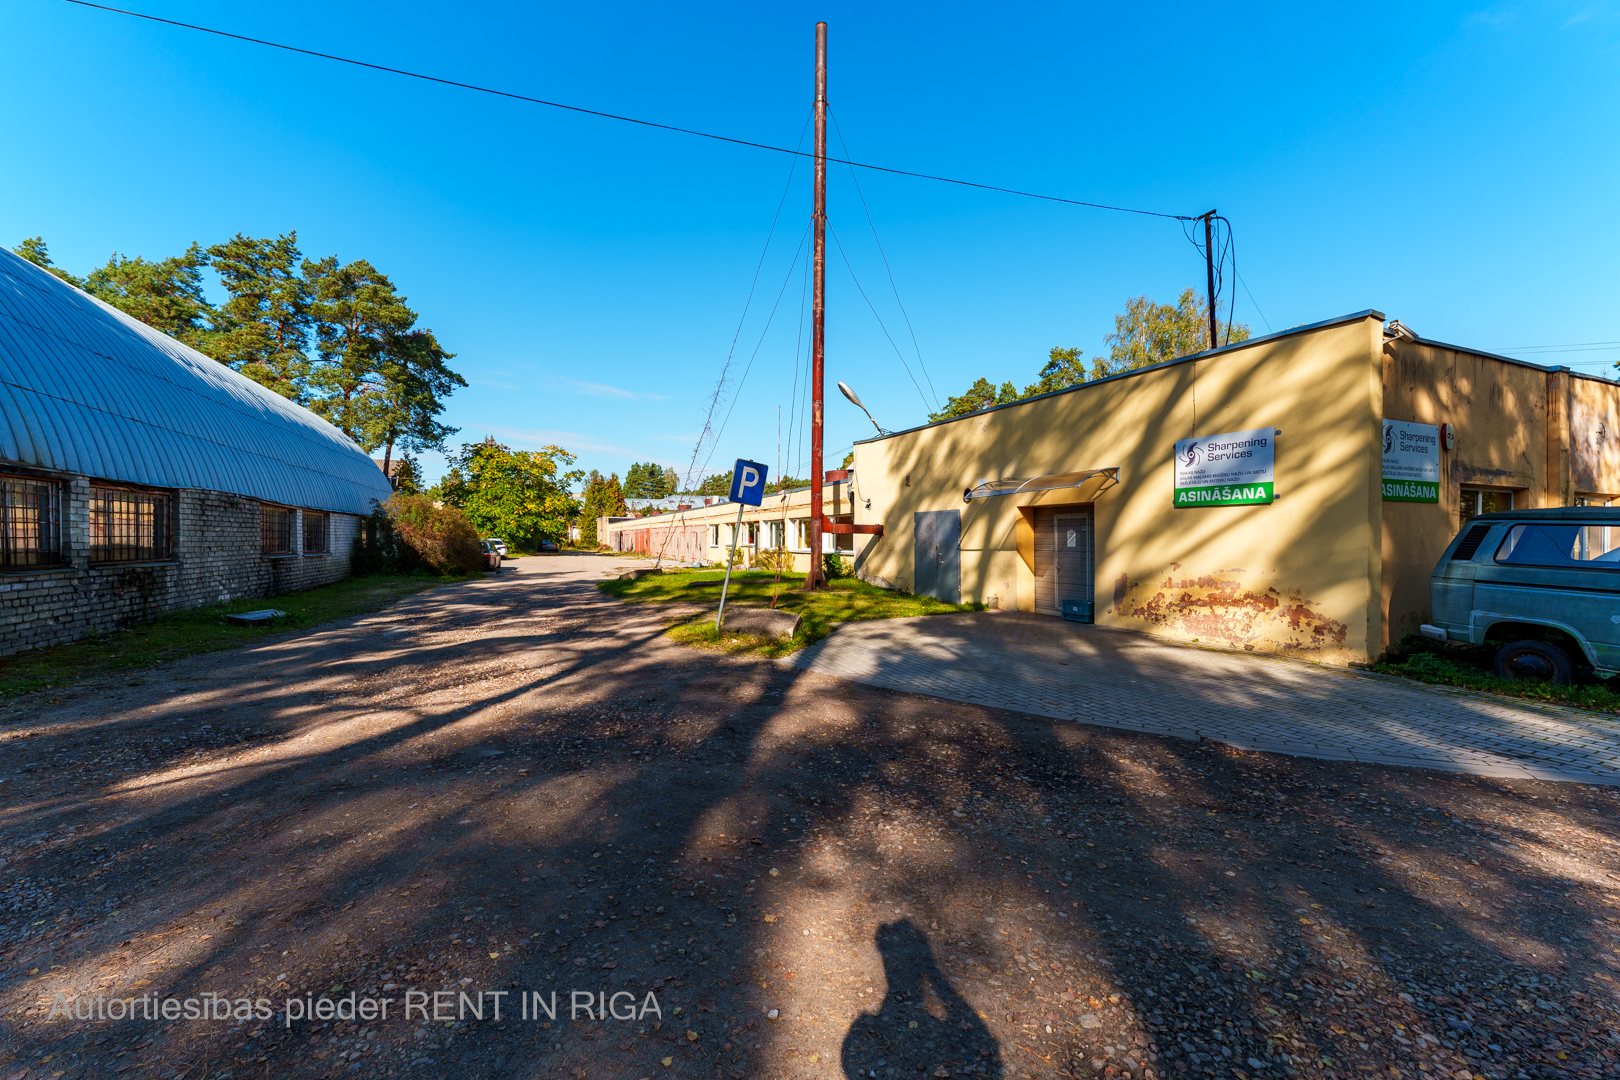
(1114, 678)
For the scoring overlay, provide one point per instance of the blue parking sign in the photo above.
(748, 483)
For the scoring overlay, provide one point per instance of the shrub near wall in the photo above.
(441, 536)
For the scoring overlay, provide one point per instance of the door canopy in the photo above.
(1096, 481)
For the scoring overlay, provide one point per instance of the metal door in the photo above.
(1063, 572)
(1072, 549)
(938, 554)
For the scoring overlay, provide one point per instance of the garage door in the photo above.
(1064, 555)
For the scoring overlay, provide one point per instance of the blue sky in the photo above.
(1453, 165)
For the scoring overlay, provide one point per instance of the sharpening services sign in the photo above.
(1411, 462)
(1235, 469)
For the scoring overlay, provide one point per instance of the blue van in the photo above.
(1544, 585)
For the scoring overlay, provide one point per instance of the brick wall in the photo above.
(216, 559)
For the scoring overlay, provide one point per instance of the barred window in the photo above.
(130, 526)
(275, 530)
(30, 522)
(315, 525)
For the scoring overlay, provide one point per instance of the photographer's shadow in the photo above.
(923, 1023)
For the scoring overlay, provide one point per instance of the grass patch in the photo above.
(1469, 667)
(845, 600)
(200, 630)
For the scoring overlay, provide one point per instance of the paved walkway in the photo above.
(1113, 678)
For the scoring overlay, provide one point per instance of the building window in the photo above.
(844, 541)
(1593, 500)
(753, 533)
(275, 530)
(315, 532)
(1477, 501)
(776, 535)
(714, 536)
(801, 534)
(32, 523)
(130, 526)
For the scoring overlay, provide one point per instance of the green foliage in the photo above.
(517, 495)
(33, 249)
(263, 328)
(981, 395)
(1144, 334)
(603, 497)
(1427, 661)
(649, 481)
(1148, 333)
(375, 374)
(836, 566)
(166, 295)
(408, 476)
(718, 484)
(440, 536)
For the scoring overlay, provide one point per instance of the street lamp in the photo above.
(855, 401)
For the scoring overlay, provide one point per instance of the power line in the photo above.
(834, 234)
(892, 284)
(616, 116)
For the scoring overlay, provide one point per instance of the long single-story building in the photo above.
(701, 532)
(1287, 494)
(138, 476)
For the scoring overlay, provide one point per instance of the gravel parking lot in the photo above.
(517, 786)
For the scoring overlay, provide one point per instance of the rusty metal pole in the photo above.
(1209, 269)
(815, 578)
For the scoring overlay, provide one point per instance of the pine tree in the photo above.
(263, 329)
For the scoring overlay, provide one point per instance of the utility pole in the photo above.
(815, 579)
(1209, 270)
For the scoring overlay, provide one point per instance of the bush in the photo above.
(836, 566)
(774, 559)
(439, 537)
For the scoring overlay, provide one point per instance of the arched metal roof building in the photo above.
(86, 389)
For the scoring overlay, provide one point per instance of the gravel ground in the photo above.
(519, 787)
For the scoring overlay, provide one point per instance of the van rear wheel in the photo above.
(1535, 660)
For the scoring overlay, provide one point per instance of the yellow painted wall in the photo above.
(1299, 576)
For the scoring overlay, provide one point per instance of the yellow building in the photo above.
(1288, 494)
(779, 528)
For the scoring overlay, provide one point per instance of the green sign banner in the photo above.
(1410, 491)
(1225, 495)
(1234, 469)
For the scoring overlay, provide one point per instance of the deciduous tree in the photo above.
(522, 495)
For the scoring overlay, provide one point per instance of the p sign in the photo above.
(748, 483)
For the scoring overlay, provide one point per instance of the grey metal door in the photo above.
(1072, 549)
(939, 554)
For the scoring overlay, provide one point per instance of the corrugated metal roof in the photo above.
(86, 389)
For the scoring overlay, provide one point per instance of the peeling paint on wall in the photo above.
(1218, 610)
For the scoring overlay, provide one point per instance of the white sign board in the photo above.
(1234, 469)
(1411, 462)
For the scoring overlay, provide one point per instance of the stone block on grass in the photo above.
(763, 622)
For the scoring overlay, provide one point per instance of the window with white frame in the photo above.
(714, 536)
(775, 535)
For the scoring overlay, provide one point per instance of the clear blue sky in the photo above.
(1454, 166)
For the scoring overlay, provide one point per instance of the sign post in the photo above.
(747, 489)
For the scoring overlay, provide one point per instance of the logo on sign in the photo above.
(1190, 456)
(748, 483)
(1389, 437)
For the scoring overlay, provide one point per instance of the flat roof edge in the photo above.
(1510, 359)
(1356, 316)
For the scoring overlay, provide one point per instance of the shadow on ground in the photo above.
(518, 786)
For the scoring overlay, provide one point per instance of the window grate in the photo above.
(275, 530)
(130, 526)
(315, 533)
(30, 523)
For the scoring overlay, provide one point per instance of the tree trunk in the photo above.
(388, 455)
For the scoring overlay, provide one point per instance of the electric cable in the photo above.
(616, 116)
(867, 210)
(840, 245)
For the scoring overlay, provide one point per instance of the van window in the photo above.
(1561, 545)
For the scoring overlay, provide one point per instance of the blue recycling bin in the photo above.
(1078, 610)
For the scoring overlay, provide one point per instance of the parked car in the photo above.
(492, 557)
(1543, 585)
(498, 545)
(549, 545)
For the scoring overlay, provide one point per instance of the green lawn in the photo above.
(200, 630)
(1431, 662)
(846, 600)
